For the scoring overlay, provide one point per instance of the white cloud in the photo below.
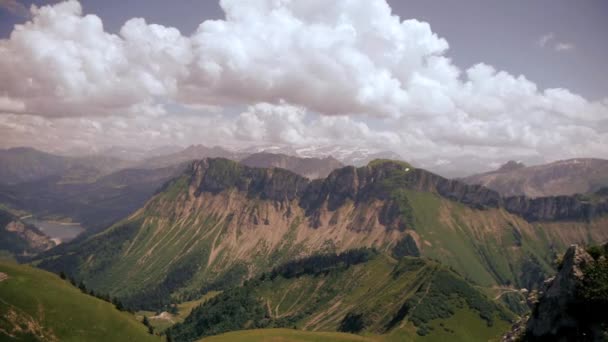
(307, 72)
(546, 38)
(62, 63)
(563, 46)
(550, 40)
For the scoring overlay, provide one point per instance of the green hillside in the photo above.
(286, 335)
(39, 306)
(356, 292)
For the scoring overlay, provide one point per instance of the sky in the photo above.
(469, 83)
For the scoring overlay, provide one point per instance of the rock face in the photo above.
(553, 208)
(563, 311)
(217, 175)
(378, 180)
(551, 314)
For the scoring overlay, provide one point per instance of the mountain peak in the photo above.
(218, 174)
(390, 162)
(511, 165)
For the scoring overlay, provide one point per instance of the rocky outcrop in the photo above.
(511, 165)
(564, 310)
(552, 315)
(217, 175)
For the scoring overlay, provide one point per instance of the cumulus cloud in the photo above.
(305, 72)
(62, 63)
(292, 125)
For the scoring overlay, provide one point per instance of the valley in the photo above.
(59, 231)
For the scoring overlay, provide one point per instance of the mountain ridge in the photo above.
(563, 177)
(221, 222)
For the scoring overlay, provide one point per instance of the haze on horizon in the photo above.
(362, 74)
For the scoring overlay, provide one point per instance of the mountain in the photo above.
(221, 222)
(23, 164)
(565, 177)
(27, 164)
(135, 154)
(308, 167)
(39, 306)
(189, 154)
(358, 291)
(95, 204)
(355, 156)
(347, 155)
(18, 239)
(572, 305)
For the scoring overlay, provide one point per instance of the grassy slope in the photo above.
(489, 246)
(60, 312)
(285, 335)
(441, 304)
(183, 310)
(377, 289)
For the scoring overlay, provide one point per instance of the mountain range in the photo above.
(300, 242)
(97, 192)
(564, 177)
(221, 222)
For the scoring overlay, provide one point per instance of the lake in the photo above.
(56, 230)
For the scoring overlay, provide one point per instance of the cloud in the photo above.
(563, 46)
(15, 7)
(62, 63)
(278, 71)
(546, 38)
(550, 40)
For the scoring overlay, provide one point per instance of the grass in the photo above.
(57, 311)
(183, 310)
(463, 326)
(379, 162)
(377, 291)
(285, 335)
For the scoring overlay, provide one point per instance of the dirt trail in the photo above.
(505, 292)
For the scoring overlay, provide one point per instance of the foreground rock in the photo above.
(574, 303)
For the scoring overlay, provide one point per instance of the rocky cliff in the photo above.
(572, 305)
(380, 180)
